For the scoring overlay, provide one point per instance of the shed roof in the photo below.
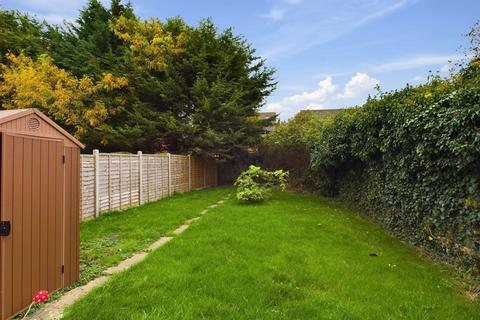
(9, 115)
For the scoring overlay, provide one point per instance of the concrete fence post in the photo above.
(169, 174)
(120, 160)
(140, 177)
(96, 168)
(130, 193)
(109, 182)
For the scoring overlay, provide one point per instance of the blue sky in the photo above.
(327, 53)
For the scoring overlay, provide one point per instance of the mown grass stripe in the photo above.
(294, 257)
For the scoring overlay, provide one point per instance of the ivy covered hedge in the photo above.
(411, 160)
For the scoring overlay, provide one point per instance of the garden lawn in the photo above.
(294, 257)
(115, 236)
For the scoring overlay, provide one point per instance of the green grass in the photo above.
(294, 257)
(115, 236)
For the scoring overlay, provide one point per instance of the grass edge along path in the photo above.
(54, 309)
(293, 257)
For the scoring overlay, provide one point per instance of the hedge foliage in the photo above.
(410, 159)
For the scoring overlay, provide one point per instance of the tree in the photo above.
(187, 89)
(77, 104)
(148, 41)
(20, 33)
(214, 88)
(89, 46)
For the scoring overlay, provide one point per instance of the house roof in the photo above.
(9, 115)
(267, 115)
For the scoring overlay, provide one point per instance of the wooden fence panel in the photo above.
(198, 173)
(211, 173)
(180, 173)
(112, 182)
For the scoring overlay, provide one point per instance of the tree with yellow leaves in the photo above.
(149, 42)
(76, 103)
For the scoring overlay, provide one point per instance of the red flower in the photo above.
(41, 296)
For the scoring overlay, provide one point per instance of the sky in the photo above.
(327, 53)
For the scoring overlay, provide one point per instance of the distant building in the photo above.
(269, 116)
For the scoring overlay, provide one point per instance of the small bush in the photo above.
(254, 184)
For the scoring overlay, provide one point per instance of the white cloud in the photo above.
(314, 23)
(414, 62)
(327, 95)
(274, 14)
(325, 88)
(278, 12)
(357, 85)
(385, 11)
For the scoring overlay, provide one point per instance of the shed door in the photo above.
(32, 200)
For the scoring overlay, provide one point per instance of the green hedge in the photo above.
(411, 160)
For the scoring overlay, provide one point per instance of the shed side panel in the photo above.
(72, 214)
(68, 219)
(17, 222)
(59, 215)
(6, 215)
(76, 213)
(36, 219)
(26, 184)
(51, 233)
(43, 225)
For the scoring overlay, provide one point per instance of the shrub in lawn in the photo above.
(254, 184)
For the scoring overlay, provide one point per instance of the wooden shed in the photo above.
(39, 208)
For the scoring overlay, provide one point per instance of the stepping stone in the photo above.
(192, 220)
(125, 264)
(181, 229)
(204, 211)
(157, 244)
